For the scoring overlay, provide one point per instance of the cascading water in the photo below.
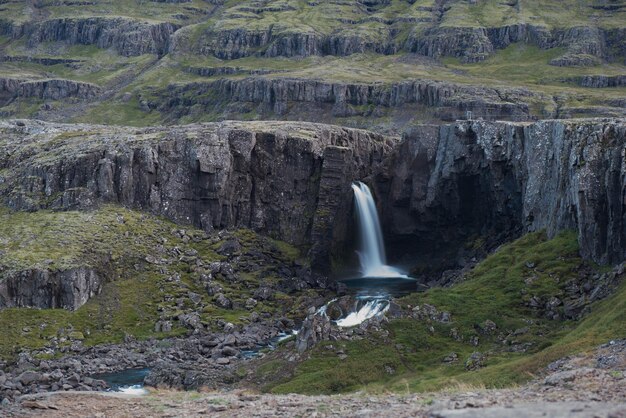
(371, 309)
(372, 251)
(374, 299)
(364, 308)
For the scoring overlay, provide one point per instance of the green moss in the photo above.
(62, 240)
(411, 357)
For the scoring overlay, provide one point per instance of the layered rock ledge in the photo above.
(286, 180)
(442, 186)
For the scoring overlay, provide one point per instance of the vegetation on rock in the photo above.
(432, 345)
(151, 265)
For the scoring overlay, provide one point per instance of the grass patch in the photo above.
(116, 242)
(498, 289)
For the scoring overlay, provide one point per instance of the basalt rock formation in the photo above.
(602, 81)
(55, 89)
(240, 42)
(476, 44)
(450, 186)
(128, 37)
(286, 180)
(455, 183)
(68, 289)
(282, 96)
(372, 64)
(47, 89)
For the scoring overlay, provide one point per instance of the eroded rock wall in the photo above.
(446, 190)
(453, 186)
(267, 176)
(127, 36)
(277, 95)
(68, 289)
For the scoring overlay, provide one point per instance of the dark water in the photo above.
(271, 345)
(124, 379)
(373, 287)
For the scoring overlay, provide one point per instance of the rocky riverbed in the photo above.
(591, 384)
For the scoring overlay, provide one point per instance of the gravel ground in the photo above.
(591, 385)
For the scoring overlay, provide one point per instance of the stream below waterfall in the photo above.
(367, 295)
(377, 282)
(129, 381)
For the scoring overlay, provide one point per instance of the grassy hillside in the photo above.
(409, 354)
(375, 41)
(139, 291)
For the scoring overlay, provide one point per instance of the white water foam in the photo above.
(286, 336)
(136, 390)
(372, 253)
(370, 309)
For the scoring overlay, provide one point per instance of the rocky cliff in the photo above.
(68, 289)
(278, 97)
(465, 184)
(128, 37)
(583, 45)
(55, 89)
(470, 43)
(459, 187)
(287, 180)
(241, 42)
(47, 89)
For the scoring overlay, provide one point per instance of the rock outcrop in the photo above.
(9, 88)
(455, 183)
(48, 89)
(127, 36)
(603, 81)
(475, 44)
(265, 176)
(277, 95)
(441, 190)
(68, 289)
(55, 89)
(237, 43)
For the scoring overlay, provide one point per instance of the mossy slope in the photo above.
(408, 354)
(151, 266)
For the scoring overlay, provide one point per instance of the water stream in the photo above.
(129, 381)
(378, 281)
(372, 290)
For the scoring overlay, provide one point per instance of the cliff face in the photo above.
(440, 190)
(48, 89)
(241, 42)
(56, 89)
(127, 36)
(276, 95)
(68, 289)
(452, 184)
(475, 44)
(280, 179)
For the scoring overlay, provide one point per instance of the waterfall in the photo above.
(371, 309)
(372, 251)
(364, 309)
